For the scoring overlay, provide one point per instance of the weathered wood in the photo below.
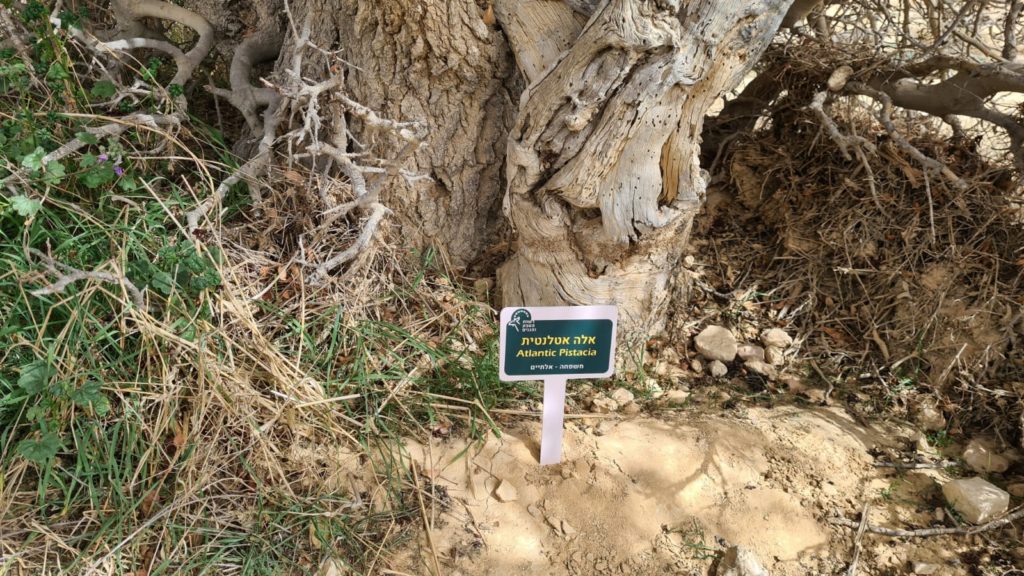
(602, 163)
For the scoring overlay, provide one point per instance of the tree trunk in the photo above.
(600, 163)
(435, 61)
(602, 166)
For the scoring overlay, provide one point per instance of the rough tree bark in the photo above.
(602, 166)
(598, 162)
(436, 61)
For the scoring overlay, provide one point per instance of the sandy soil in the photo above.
(647, 496)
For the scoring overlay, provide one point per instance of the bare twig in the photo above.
(68, 275)
(924, 532)
(852, 570)
(885, 117)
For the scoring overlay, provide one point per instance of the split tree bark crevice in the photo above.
(602, 167)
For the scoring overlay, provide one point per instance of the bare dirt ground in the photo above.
(663, 495)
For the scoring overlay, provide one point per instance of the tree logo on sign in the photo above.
(521, 320)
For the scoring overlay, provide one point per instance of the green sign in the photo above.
(565, 341)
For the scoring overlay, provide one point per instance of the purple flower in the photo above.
(118, 170)
(102, 158)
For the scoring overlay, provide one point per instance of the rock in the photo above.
(975, 499)
(603, 404)
(837, 80)
(333, 567)
(676, 397)
(670, 356)
(506, 492)
(716, 343)
(696, 366)
(622, 396)
(483, 287)
(766, 370)
(533, 510)
(718, 369)
(814, 395)
(776, 338)
(1016, 489)
(793, 383)
(631, 409)
(981, 459)
(925, 568)
(929, 418)
(748, 352)
(567, 529)
(740, 561)
(774, 356)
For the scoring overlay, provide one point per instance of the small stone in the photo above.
(766, 370)
(940, 514)
(814, 395)
(718, 369)
(696, 366)
(689, 261)
(676, 397)
(716, 343)
(565, 472)
(981, 459)
(622, 396)
(776, 338)
(774, 356)
(631, 409)
(793, 383)
(506, 492)
(567, 529)
(483, 287)
(925, 568)
(670, 356)
(603, 404)
(839, 77)
(748, 352)
(533, 510)
(740, 561)
(975, 499)
(929, 418)
(1016, 489)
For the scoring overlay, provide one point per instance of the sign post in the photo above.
(555, 344)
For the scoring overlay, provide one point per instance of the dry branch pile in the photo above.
(906, 282)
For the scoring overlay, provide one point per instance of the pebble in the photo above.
(716, 343)
(676, 397)
(603, 404)
(977, 500)
(506, 492)
(929, 418)
(740, 561)
(774, 356)
(1016, 489)
(925, 568)
(718, 369)
(631, 409)
(622, 396)
(748, 352)
(762, 368)
(696, 366)
(982, 460)
(776, 338)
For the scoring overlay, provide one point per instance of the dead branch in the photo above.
(844, 141)
(1010, 30)
(115, 128)
(924, 532)
(377, 213)
(885, 117)
(68, 275)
